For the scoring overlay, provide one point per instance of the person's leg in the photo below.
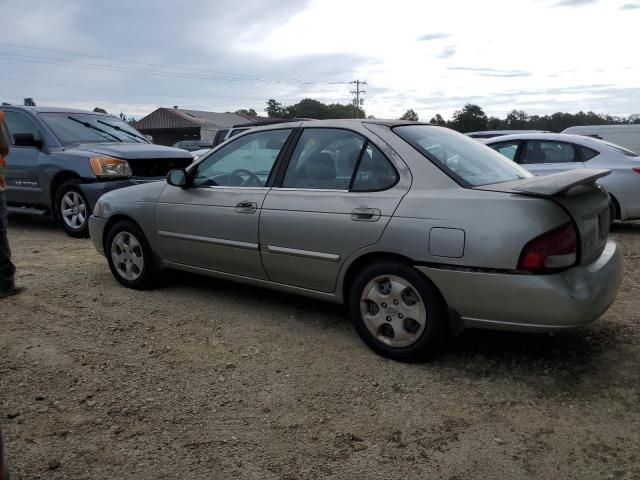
(7, 269)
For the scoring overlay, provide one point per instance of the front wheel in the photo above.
(72, 209)
(130, 257)
(398, 312)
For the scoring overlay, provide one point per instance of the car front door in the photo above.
(544, 157)
(22, 172)
(213, 222)
(335, 197)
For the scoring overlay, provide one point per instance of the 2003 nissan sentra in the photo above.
(419, 230)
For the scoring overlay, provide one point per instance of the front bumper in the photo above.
(96, 232)
(532, 302)
(94, 190)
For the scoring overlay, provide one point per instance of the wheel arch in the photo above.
(57, 180)
(616, 207)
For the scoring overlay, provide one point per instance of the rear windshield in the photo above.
(468, 161)
(617, 148)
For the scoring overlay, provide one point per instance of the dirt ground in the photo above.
(205, 379)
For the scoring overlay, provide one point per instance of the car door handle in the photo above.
(246, 207)
(365, 214)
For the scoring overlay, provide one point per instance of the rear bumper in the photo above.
(96, 232)
(629, 205)
(532, 302)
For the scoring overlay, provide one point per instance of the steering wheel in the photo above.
(253, 178)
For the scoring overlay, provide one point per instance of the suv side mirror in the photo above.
(177, 177)
(26, 140)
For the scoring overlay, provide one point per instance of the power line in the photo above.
(221, 75)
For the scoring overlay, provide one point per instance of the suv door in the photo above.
(213, 223)
(22, 172)
(336, 196)
(544, 157)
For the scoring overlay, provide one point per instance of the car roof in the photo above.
(503, 132)
(567, 137)
(51, 109)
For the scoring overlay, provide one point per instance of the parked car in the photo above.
(418, 229)
(547, 153)
(627, 136)
(4, 470)
(193, 145)
(498, 133)
(62, 160)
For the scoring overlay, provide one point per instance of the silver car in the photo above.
(545, 153)
(420, 231)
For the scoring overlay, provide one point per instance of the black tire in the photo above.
(146, 274)
(614, 209)
(71, 188)
(428, 343)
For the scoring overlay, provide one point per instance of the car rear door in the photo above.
(335, 196)
(213, 224)
(544, 157)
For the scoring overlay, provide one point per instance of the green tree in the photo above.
(410, 115)
(244, 111)
(274, 109)
(471, 118)
(29, 102)
(494, 123)
(438, 120)
(517, 120)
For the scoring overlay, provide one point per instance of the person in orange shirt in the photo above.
(7, 269)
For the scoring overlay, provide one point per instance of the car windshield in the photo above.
(72, 128)
(468, 161)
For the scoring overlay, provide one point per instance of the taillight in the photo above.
(552, 250)
(636, 169)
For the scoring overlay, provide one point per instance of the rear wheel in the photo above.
(129, 255)
(397, 312)
(72, 209)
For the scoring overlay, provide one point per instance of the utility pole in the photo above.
(357, 92)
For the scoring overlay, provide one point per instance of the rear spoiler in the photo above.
(559, 183)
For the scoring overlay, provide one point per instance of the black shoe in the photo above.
(9, 292)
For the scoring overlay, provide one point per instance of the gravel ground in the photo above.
(205, 379)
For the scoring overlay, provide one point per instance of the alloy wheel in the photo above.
(127, 256)
(73, 210)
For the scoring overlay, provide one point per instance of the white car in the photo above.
(546, 153)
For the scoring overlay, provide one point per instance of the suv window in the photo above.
(539, 151)
(245, 162)
(20, 123)
(508, 149)
(324, 158)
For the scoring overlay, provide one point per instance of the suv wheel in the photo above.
(72, 209)
(397, 312)
(129, 255)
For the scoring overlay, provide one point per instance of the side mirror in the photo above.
(26, 140)
(177, 177)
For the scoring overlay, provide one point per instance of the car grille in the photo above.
(157, 167)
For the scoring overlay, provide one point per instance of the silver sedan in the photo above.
(420, 231)
(545, 153)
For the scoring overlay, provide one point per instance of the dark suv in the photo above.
(63, 160)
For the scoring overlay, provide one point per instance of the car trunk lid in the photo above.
(577, 192)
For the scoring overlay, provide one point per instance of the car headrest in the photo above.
(320, 167)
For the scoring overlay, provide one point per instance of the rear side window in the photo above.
(508, 149)
(587, 153)
(374, 172)
(539, 151)
(466, 160)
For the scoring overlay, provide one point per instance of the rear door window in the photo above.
(543, 151)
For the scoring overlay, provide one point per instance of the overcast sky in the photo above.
(540, 56)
